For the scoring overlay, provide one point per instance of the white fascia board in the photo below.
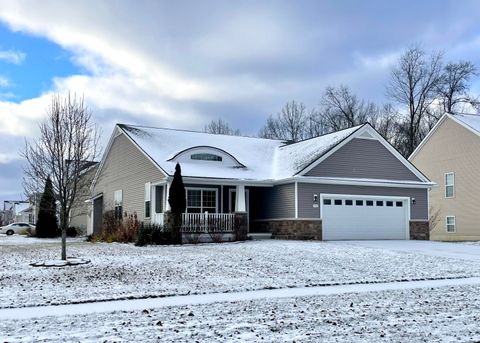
(330, 152)
(427, 137)
(143, 152)
(358, 182)
(227, 182)
(94, 198)
(459, 122)
(115, 133)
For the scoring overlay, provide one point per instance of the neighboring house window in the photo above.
(206, 157)
(148, 195)
(450, 224)
(118, 203)
(449, 185)
(201, 200)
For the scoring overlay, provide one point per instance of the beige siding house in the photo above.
(450, 156)
(80, 210)
(122, 177)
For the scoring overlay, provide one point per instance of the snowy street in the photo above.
(278, 290)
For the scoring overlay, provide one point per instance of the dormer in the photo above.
(207, 155)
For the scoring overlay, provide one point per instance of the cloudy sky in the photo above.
(181, 64)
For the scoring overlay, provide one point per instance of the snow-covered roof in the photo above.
(471, 120)
(258, 158)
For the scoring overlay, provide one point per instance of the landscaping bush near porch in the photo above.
(153, 234)
(119, 230)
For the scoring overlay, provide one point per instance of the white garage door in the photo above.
(363, 217)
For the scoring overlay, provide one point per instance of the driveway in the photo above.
(432, 248)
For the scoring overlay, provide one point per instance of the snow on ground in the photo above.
(471, 243)
(469, 252)
(25, 240)
(121, 271)
(444, 314)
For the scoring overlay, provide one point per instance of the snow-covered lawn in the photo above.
(443, 314)
(121, 271)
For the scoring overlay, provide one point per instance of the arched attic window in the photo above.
(204, 156)
(207, 154)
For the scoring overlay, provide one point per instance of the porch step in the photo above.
(258, 236)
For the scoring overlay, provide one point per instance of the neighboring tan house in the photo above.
(350, 184)
(80, 212)
(450, 156)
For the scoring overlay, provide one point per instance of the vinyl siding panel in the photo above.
(275, 202)
(80, 208)
(419, 211)
(453, 148)
(126, 168)
(363, 158)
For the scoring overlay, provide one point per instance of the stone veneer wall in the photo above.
(420, 230)
(291, 229)
(312, 229)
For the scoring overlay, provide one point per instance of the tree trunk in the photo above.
(64, 244)
(64, 223)
(177, 228)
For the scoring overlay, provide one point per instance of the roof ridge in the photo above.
(324, 135)
(194, 131)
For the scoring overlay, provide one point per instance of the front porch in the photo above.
(212, 210)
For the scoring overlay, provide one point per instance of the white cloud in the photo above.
(382, 61)
(21, 119)
(4, 82)
(12, 56)
(7, 158)
(131, 75)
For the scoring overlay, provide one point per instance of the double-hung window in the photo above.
(449, 185)
(450, 224)
(118, 203)
(201, 200)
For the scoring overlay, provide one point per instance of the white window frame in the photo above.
(454, 224)
(118, 201)
(449, 185)
(148, 198)
(201, 189)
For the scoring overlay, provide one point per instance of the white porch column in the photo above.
(240, 205)
(166, 203)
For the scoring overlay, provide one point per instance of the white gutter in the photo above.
(314, 180)
(357, 182)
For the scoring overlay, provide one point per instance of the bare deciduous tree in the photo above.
(289, 124)
(221, 127)
(454, 87)
(343, 109)
(68, 139)
(414, 86)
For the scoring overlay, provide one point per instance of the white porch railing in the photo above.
(157, 218)
(208, 222)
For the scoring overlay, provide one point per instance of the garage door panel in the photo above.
(351, 218)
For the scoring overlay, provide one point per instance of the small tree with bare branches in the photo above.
(68, 139)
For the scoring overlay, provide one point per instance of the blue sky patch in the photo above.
(44, 60)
